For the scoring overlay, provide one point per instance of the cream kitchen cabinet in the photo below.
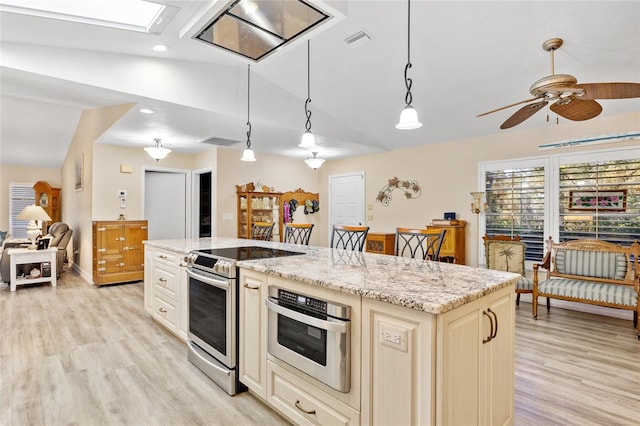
(475, 362)
(253, 320)
(166, 289)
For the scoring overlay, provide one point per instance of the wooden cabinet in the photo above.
(118, 252)
(49, 199)
(166, 289)
(453, 247)
(253, 318)
(259, 206)
(475, 362)
(381, 243)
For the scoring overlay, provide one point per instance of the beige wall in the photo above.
(22, 175)
(447, 172)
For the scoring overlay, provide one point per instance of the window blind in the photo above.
(515, 206)
(20, 196)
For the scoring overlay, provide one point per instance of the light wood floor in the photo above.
(81, 355)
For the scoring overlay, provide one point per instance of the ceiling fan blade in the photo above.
(609, 90)
(505, 107)
(577, 109)
(523, 113)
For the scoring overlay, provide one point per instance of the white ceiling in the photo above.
(468, 58)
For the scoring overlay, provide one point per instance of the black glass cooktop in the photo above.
(248, 253)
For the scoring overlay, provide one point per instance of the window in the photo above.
(21, 196)
(573, 196)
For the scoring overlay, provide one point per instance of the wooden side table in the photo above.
(383, 243)
(21, 256)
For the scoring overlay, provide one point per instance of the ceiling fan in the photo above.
(568, 99)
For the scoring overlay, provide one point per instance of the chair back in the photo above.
(419, 243)
(505, 253)
(297, 233)
(349, 237)
(262, 231)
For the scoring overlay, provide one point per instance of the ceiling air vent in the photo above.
(358, 39)
(218, 141)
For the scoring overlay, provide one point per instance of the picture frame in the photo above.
(79, 173)
(43, 243)
(590, 201)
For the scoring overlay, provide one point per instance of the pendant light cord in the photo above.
(248, 104)
(307, 111)
(408, 98)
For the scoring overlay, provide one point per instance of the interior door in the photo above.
(346, 200)
(165, 204)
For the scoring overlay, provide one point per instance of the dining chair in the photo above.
(419, 243)
(297, 233)
(349, 237)
(507, 253)
(262, 231)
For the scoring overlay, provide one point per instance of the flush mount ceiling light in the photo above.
(247, 154)
(157, 152)
(133, 15)
(314, 162)
(255, 28)
(308, 141)
(408, 116)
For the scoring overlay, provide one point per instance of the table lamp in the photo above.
(33, 213)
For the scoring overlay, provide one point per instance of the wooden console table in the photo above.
(382, 243)
(21, 256)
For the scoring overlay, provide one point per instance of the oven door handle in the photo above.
(207, 279)
(335, 325)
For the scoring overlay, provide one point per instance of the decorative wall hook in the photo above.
(410, 189)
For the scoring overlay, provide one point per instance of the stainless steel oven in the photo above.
(213, 310)
(311, 335)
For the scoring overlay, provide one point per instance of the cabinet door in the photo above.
(133, 249)
(109, 239)
(253, 332)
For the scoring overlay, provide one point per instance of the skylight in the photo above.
(134, 15)
(255, 28)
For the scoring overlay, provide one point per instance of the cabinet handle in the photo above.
(488, 339)
(162, 280)
(162, 256)
(101, 250)
(250, 287)
(163, 310)
(302, 409)
(495, 332)
(102, 269)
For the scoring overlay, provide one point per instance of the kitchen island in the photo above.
(431, 343)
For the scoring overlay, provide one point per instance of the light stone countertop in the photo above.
(432, 287)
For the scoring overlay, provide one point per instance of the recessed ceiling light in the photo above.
(160, 47)
(146, 111)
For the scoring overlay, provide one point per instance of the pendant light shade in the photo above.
(314, 162)
(248, 154)
(408, 116)
(157, 152)
(308, 141)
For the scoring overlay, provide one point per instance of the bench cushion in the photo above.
(589, 290)
(596, 264)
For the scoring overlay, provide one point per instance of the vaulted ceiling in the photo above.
(468, 58)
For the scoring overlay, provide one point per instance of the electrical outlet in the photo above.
(370, 217)
(393, 336)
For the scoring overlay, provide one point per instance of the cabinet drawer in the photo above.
(309, 406)
(166, 280)
(164, 311)
(166, 257)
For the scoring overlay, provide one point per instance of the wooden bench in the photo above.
(590, 271)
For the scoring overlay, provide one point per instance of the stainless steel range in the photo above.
(213, 310)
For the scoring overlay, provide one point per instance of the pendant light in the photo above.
(308, 141)
(314, 162)
(157, 152)
(248, 154)
(408, 116)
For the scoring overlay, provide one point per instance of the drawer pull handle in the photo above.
(162, 256)
(251, 287)
(490, 336)
(302, 409)
(162, 280)
(163, 310)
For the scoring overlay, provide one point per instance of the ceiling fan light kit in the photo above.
(157, 152)
(408, 116)
(567, 98)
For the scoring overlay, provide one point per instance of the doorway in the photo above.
(165, 204)
(203, 225)
(346, 200)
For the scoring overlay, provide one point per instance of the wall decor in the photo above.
(598, 200)
(79, 166)
(410, 189)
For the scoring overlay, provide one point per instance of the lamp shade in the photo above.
(408, 119)
(314, 162)
(248, 155)
(157, 152)
(33, 212)
(308, 141)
